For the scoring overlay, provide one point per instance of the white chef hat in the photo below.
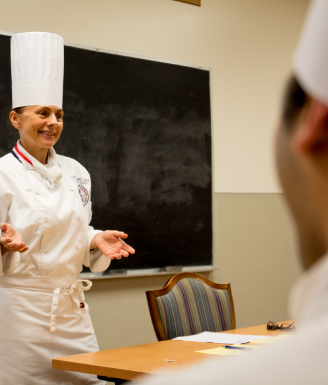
(311, 58)
(37, 69)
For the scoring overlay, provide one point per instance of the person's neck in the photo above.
(310, 255)
(41, 155)
(313, 239)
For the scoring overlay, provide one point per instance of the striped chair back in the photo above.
(193, 306)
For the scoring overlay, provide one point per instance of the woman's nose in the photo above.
(52, 119)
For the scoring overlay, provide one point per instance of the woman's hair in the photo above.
(18, 110)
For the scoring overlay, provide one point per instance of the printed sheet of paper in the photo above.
(221, 338)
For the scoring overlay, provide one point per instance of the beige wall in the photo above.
(248, 45)
(255, 251)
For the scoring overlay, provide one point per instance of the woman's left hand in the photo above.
(111, 244)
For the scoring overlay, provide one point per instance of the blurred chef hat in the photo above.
(37, 69)
(311, 58)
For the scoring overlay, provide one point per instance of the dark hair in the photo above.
(295, 99)
(18, 110)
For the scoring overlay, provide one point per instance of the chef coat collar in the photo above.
(52, 173)
(309, 296)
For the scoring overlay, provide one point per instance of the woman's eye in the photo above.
(43, 113)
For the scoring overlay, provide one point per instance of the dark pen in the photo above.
(236, 347)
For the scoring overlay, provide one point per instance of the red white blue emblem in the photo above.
(83, 194)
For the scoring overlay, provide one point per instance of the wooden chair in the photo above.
(189, 304)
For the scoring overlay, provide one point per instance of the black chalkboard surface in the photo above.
(143, 130)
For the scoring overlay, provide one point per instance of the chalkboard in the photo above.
(143, 130)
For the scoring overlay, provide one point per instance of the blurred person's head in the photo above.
(302, 137)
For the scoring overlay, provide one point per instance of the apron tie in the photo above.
(76, 293)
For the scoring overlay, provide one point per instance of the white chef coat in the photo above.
(42, 310)
(301, 360)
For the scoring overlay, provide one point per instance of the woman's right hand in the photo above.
(11, 240)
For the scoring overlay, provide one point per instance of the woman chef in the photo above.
(45, 210)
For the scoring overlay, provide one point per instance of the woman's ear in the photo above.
(311, 136)
(14, 119)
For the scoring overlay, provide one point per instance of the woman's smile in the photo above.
(47, 134)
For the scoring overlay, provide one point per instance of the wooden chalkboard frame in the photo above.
(149, 132)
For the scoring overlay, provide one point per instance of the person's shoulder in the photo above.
(9, 160)
(10, 169)
(72, 165)
(78, 173)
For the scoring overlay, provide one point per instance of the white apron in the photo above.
(42, 310)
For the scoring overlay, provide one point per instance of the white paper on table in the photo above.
(221, 338)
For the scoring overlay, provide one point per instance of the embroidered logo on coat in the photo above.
(83, 194)
(81, 181)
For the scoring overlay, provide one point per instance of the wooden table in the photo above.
(131, 362)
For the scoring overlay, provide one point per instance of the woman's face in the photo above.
(39, 127)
